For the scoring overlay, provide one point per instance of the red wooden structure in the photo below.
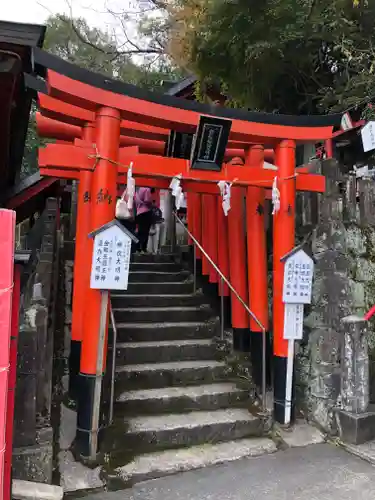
(108, 115)
(7, 244)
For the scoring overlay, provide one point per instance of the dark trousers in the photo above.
(130, 225)
(144, 222)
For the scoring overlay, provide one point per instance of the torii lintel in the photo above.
(91, 91)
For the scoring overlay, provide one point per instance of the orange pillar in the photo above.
(197, 229)
(205, 233)
(190, 197)
(197, 224)
(238, 272)
(81, 267)
(222, 244)
(223, 260)
(257, 268)
(104, 192)
(212, 235)
(283, 242)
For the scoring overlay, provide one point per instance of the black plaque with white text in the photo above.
(210, 143)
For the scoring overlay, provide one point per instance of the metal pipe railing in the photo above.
(113, 367)
(224, 279)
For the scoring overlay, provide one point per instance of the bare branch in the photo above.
(113, 53)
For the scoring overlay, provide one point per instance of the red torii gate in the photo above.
(49, 128)
(105, 110)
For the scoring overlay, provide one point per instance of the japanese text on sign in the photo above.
(111, 259)
(298, 276)
(293, 322)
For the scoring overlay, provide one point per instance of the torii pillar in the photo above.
(223, 259)
(237, 267)
(257, 269)
(283, 242)
(103, 192)
(82, 262)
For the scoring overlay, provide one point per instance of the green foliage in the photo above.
(292, 56)
(33, 142)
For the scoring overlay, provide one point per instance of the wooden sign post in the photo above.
(297, 290)
(109, 271)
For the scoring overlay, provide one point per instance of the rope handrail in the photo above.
(223, 277)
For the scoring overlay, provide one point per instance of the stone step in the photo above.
(157, 375)
(146, 288)
(150, 258)
(165, 463)
(162, 314)
(165, 351)
(148, 433)
(30, 490)
(154, 332)
(158, 277)
(176, 300)
(165, 267)
(184, 398)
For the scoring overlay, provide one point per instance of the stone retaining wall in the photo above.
(33, 435)
(343, 245)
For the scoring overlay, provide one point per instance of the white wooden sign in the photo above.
(298, 276)
(293, 322)
(368, 136)
(111, 258)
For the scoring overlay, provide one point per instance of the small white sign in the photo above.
(298, 276)
(293, 322)
(368, 136)
(111, 259)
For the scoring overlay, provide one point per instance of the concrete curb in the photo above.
(365, 451)
(27, 490)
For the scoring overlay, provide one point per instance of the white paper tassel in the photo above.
(179, 199)
(130, 186)
(225, 191)
(176, 188)
(175, 184)
(275, 197)
(222, 185)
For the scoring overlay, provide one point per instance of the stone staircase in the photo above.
(176, 408)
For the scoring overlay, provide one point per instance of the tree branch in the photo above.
(112, 53)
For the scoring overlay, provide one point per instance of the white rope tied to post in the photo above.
(275, 197)
(130, 187)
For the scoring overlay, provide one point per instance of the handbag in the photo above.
(156, 215)
(122, 209)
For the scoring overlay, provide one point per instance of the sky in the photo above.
(96, 13)
(37, 11)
